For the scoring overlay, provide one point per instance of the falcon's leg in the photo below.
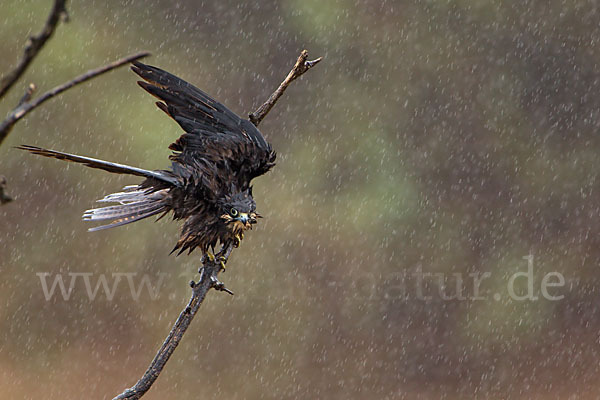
(220, 257)
(208, 256)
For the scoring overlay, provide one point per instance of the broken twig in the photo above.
(301, 66)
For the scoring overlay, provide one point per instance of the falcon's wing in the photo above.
(213, 132)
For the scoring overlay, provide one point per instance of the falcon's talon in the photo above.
(237, 240)
(221, 260)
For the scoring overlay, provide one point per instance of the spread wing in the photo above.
(216, 139)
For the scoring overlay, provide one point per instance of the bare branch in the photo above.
(208, 280)
(33, 46)
(301, 66)
(211, 268)
(24, 108)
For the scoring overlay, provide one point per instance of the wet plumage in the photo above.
(212, 165)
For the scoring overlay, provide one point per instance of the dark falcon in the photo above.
(212, 165)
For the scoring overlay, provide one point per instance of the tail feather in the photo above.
(129, 191)
(133, 194)
(135, 205)
(129, 219)
(111, 212)
(135, 202)
(100, 164)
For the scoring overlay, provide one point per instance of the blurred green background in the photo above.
(450, 137)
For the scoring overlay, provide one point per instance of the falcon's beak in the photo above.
(243, 218)
(246, 218)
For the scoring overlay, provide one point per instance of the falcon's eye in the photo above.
(233, 212)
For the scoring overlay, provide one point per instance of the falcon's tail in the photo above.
(135, 204)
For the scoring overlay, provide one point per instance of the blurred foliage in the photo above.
(452, 137)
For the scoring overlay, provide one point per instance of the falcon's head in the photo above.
(239, 212)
